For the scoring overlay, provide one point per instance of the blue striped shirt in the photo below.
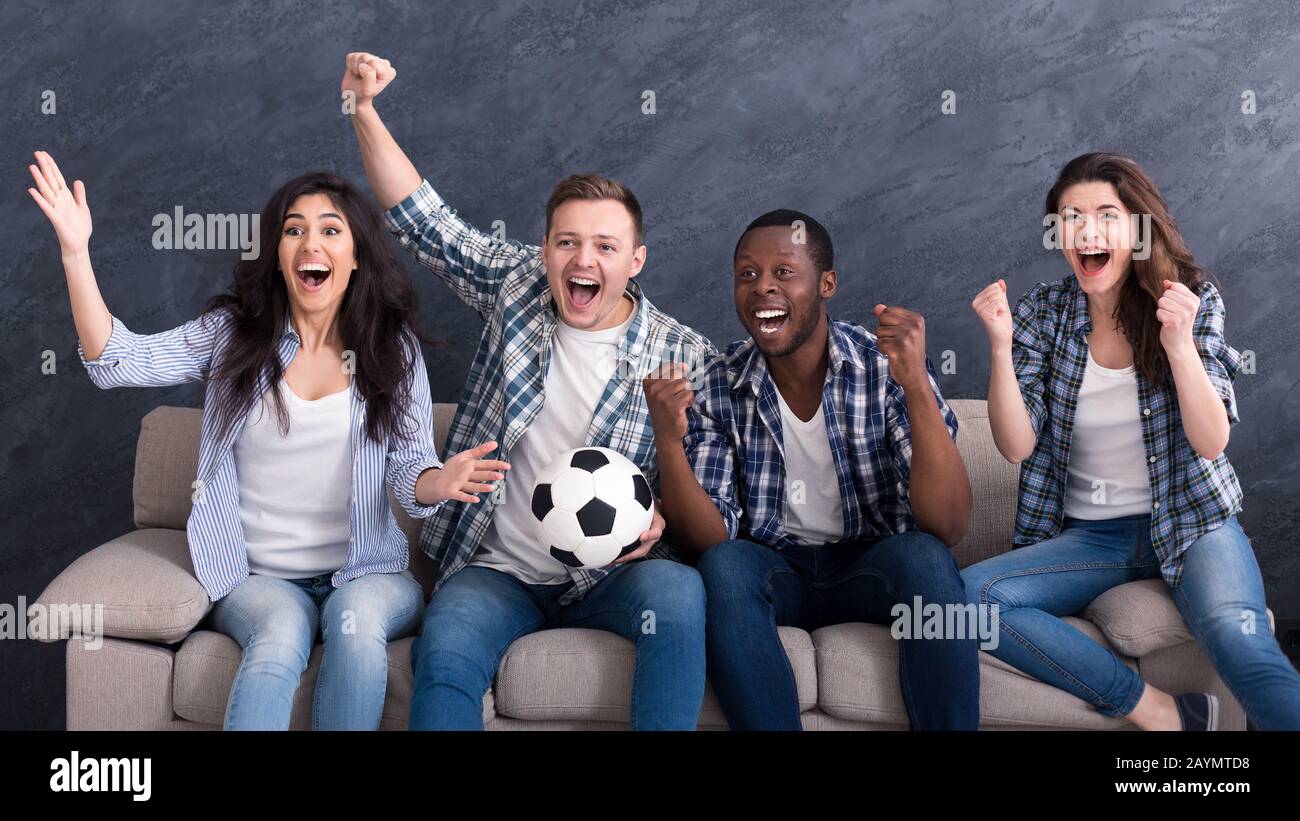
(216, 537)
(734, 441)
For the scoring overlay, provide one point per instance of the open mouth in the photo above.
(771, 320)
(312, 275)
(582, 291)
(1093, 261)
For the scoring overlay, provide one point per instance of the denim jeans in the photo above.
(753, 588)
(477, 612)
(276, 620)
(1221, 597)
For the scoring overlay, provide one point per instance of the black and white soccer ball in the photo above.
(591, 506)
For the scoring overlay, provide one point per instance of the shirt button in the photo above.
(1152, 460)
(1156, 506)
(1146, 411)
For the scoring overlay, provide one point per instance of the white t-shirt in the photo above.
(814, 512)
(1107, 474)
(582, 363)
(295, 491)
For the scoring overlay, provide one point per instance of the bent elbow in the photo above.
(1015, 457)
(1214, 450)
(954, 536)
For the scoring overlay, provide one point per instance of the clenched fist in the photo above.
(994, 311)
(901, 337)
(1176, 311)
(366, 75)
(668, 394)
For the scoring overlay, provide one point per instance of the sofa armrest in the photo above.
(138, 586)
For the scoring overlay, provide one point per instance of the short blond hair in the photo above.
(596, 187)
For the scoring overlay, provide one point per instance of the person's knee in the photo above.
(450, 645)
(976, 581)
(1229, 623)
(928, 567)
(730, 569)
(285, 640)
(364, 608)
(670, 593)
(276, 621)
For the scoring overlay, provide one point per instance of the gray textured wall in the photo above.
(829, 107)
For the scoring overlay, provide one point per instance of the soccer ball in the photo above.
(591, 506)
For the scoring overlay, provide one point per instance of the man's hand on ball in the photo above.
(648, 539)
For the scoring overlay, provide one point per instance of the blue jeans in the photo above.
(477, 612)
(275, 621)
(1034, 586)
(753, 588)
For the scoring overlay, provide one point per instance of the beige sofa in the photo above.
(158, 668)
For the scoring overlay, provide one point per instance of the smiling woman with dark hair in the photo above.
(316, 404)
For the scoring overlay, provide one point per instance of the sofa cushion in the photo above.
(207, 662)
(166, 466)
(573, 673)
(857, 679)
(1139, 617)
(145, 582)
(994, 485)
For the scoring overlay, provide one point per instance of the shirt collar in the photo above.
(1080, 322)
(632, 345)
(287, 330)
(840, 351)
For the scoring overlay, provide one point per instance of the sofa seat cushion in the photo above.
(145, 582)
(579, 674)
(207, 662)
(857, 679)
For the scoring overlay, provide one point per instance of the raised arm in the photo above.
(113, 355)
(69, 213)
(1014, 431)
(474, 264)
(1201, 363)
(696, 464)
(922, 430)
(392, 176)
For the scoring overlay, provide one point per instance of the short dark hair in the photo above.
(819, 240)
(596, 187)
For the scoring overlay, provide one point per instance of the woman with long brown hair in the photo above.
(1112, 388)
(316, 404)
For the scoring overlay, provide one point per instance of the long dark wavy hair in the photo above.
(377, 316)
(1170, 257)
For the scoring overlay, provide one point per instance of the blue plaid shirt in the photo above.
(1190, 495)
(505, 282)
(734, 444)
